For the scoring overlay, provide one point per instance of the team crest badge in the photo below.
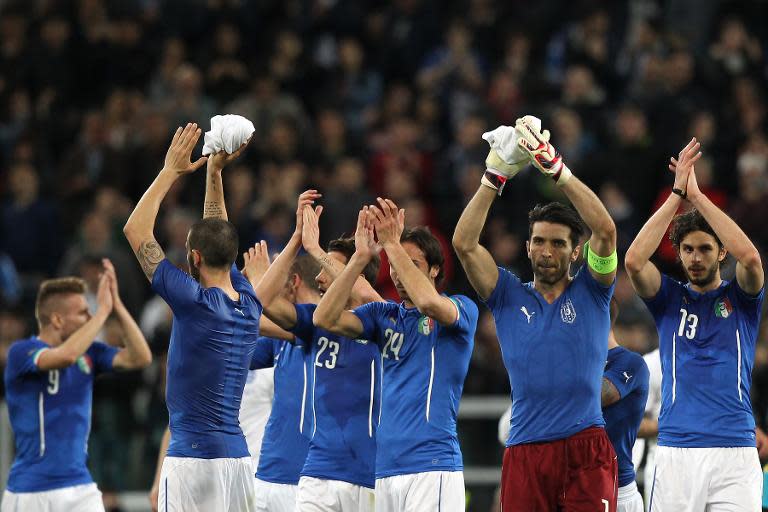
(568, 312)
(723, 308)
(85, 364)
(426, 325)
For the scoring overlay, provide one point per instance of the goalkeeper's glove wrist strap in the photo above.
(562, 176)
(493, 180)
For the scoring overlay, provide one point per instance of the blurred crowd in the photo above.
(357, 98)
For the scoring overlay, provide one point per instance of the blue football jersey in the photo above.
(286, 436)
(345, 404)
(212, 344)
(707, 349)
(628, 372)
(50, 414)
(554, 355)
(425, 365)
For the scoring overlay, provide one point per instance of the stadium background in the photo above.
(358, 99)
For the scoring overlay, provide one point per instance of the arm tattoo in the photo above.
(150, 254)
(212, 209)
(609, 394)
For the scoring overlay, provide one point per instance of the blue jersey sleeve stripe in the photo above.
(36, 357)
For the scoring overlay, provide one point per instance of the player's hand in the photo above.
(178, 159)
(306, 200)
(217, 161)
(365, 241)
(310, 229)
(683, 167)
(154, 495)
(109, 270)
(104, 295)
(543, 155)
(388, 221)
(256, 262)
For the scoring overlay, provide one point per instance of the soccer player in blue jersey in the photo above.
(706, 458)
(623, 398)
(215, 329)
(286, 437)
(553, 334)
(49, 386)
(426, 343)
(339, 471)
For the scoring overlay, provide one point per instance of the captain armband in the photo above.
(601, 264)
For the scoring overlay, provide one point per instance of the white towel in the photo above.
(228, 133)
(504, 141)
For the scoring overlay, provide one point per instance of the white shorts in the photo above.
(629, 499)
(271, 497)
(189, 484)
(78, 498)
(417, 492)
(321, 495)
(711, 479)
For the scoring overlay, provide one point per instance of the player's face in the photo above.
(323, 279)
(418, 259)
(701, 255)
(550, 251)
(73, 311)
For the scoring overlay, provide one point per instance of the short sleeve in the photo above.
(371, 314)
(752, 304)
(600, 292)
(658, 303)
(304, 328)
(263, 354)
(102, 356)
(176, 287)
(627, 374)
(507, 281)
(23, 357)
(467, 320)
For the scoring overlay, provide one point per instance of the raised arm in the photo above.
(136, 354)
(139, 229)
(645, 277)
(482, 272)
(271, 283)
(213, 205)
(330, 313)
(388, 222)
(362, 291)
(603, 240)
(749, 267)
(78, 342)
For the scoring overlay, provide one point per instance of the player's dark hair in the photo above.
(217, 241)
(423, 238)
(614, 309)
(557, 213)
(687, 223)
(346, 246)
(53, 288)
(306, 268)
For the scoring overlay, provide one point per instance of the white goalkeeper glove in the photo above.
(505, 158)
(543, 155)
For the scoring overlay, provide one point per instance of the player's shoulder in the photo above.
(26, 346)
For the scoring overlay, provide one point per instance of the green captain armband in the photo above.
(600, 264)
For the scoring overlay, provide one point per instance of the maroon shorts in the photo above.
(576, 474)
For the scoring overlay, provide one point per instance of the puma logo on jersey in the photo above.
(527, 315)
(240, 311)
(627, 376)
